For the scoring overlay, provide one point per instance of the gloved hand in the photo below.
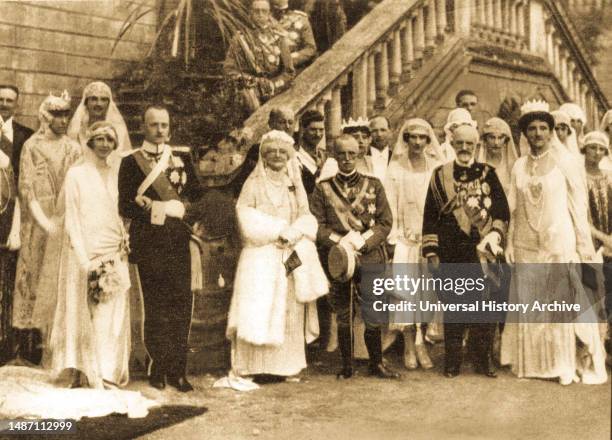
(290, 235)
(491, 243)
(353, 239)
(174, 208)
(509, 253)
(357, 240)
(5, 161)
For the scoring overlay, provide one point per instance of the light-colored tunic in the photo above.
(45, 159)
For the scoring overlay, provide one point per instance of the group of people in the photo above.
(88, 222)
(86, 219)
(475, 197)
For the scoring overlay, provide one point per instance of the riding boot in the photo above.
(345, 344)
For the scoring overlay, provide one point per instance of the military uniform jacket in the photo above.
(368, 200)
(158, 241)
(266, 55)
(299, 36)
(463, 204)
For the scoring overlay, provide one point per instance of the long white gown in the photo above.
(92, 338)
(547, 224)
(406, 191)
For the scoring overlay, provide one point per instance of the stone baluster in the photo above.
(497, 15)
(481, 12)
(550, 43)
(570, 79)
(441, 18)
(360, 88)
(371, 82)
(489, 18)
(381, 61)
(563, 60)
(513, 26)
(396, 62)
(463, 16)
(430, 28)
(557, 59)
(335, 113)
(520, 20)
(407, 49)
(419, 37)
(583, 92)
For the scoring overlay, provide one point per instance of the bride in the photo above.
(88, 335)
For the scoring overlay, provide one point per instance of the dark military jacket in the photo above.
(463, 204)
(368, 204)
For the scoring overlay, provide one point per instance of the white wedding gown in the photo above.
(91, 338)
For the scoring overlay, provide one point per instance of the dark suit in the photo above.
(26, 339)
(164, 264)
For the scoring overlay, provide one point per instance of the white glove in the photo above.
(5, 161)
(493, 239)
(174, 208)
(290, 235)
(357, 240)
(353, 239)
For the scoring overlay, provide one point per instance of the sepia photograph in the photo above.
(306, 219)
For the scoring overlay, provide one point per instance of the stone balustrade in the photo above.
(389, 46)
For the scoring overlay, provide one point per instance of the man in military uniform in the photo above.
(260, 65)
(465, 211)
(353, 214)
(157, 190)
(299, 32)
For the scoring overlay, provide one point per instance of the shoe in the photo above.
(451, 373)
(345, 373)
(382, 372)
(410, 358)
(487, 368)
(157, 382)
(423, 357)
(181, 384)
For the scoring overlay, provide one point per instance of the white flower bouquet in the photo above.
(104, 282)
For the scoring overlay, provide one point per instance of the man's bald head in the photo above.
(346, 151)
(283, 119)
(465, 140)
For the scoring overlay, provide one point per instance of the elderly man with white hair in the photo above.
(456, 118)
(466, 210)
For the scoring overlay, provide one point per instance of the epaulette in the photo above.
(181, 149)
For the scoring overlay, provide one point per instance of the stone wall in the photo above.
(53, 45)
(604, 69)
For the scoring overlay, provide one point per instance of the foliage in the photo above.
(591, 22)
(187, 77)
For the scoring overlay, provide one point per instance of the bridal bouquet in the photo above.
(104, 282)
